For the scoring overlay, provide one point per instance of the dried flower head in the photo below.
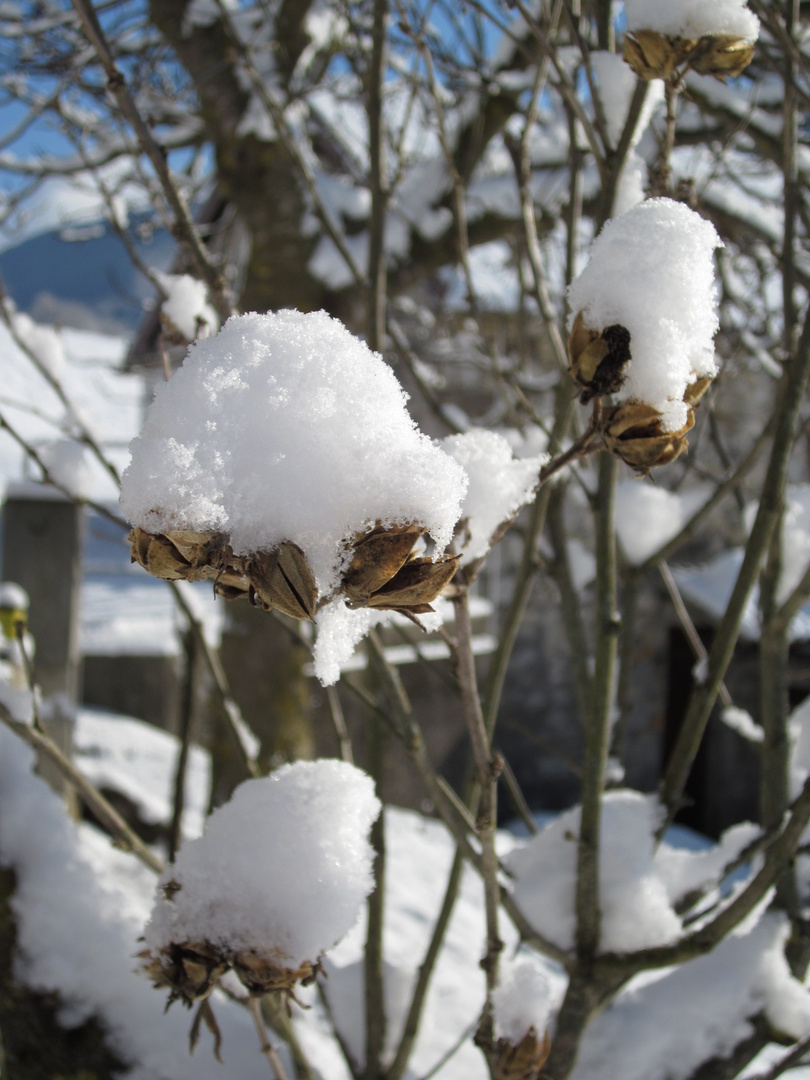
(383, 571)
(190, 970)
(280, 463)
(598, 358)
(524, 1060)
(634, 432)
(386, 574)
(653, 55)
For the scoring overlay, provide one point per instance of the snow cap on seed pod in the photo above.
(711, 39)
(277, 879)
(522, 1014)
(644, 327)
(280, 462)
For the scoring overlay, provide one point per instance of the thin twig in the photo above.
(487, 769)
(185, 734)
(186, 229)
(265, 1045)
(339, 724)
(693, 637)
(517, 797)
(450, 1052)
(791, 1060)
(704, 695)
(83, 433)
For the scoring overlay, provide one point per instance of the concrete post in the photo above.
(42, 548)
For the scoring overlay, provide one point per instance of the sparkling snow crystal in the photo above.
(286, 427)
(651, 271)
(281, 870)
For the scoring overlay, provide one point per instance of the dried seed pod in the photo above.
(378, 556)
(261, 975)
(656, 56)
(693, 394)
(382, 572)
(598, 357)
(724, 56)
(524, 1061)
(634, 433)
(413, 589)
(180, 554)
(190, 970)
(282, 579)
(232, 584)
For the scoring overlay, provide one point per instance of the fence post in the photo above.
(42, 549)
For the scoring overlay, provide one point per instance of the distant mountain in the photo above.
(81, 276)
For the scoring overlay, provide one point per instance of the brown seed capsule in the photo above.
(634, 433)
(190, 970)
(656, 56)
(282, 579)
(176, 555)
(694, 392)
(260, 975)
(525, 1060)
(414, 588)
(723, 56)
(378, 556)
(598, 357)
(382, 572)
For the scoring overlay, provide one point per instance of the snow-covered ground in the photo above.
(82, 906)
